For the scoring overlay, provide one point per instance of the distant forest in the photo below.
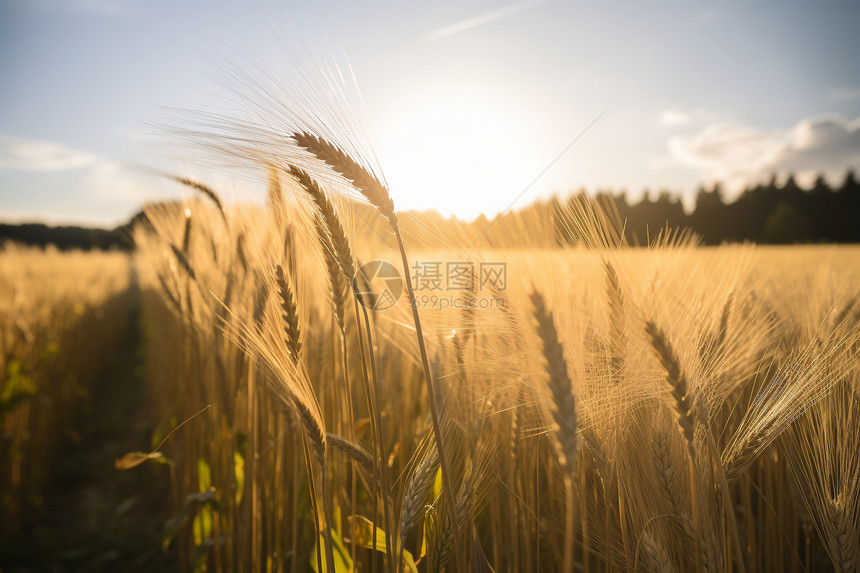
(65, 238)
(766, 214)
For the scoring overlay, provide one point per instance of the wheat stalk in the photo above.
(378, 196)
(308, 410)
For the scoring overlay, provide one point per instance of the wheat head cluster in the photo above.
(658, 408)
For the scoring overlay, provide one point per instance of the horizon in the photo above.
(621, 196)
(467, 106)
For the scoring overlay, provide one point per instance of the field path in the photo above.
(95, 518)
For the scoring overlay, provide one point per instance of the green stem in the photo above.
(383, 475)
(373, 419)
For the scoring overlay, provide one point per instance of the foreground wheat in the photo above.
(589, 443)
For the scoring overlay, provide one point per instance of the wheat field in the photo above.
(335, 385)
(607, 408)
(60, 314)
(597, 407)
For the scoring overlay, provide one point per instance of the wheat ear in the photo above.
(353, 451)
(378, 195)
(369, 186)
(308, 409)
(290, 314)
(183, 262)
(843, 543)
(654, 555)
(342, 251)
(417, 490)
(682, 406)
(207, 191)
(682, 401)
(555, 364)
(618, 336)
(564, 412)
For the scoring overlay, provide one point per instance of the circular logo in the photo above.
(379, 283)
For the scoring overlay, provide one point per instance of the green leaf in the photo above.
(49, 352)
(204, 475)
(189, 507)
(362, 535)
(203, 521)
(240, 451)
(342, 560)
(198, 556)
(17, 388)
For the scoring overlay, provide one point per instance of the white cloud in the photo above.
(35, 155)
(674, 117)
(482, 19)
(95, 183)
(110, 180)
(739, 155)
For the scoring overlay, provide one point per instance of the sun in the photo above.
(459, 153)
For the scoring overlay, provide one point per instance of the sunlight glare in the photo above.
(458, 155)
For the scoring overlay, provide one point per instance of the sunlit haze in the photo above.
(468, 105)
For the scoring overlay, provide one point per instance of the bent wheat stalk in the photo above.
(207, 191)
(376, 193)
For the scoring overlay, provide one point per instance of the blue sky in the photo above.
(465, 103)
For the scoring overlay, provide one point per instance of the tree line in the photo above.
(772, 213)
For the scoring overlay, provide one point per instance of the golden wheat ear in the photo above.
(564, 412)
(555, 364)
(342, 251)
(682, 401)
(290, 314)
(369, 186)
(206, 191)
(418, 489)
(352, 450)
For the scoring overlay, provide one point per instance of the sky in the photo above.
(469, 107)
